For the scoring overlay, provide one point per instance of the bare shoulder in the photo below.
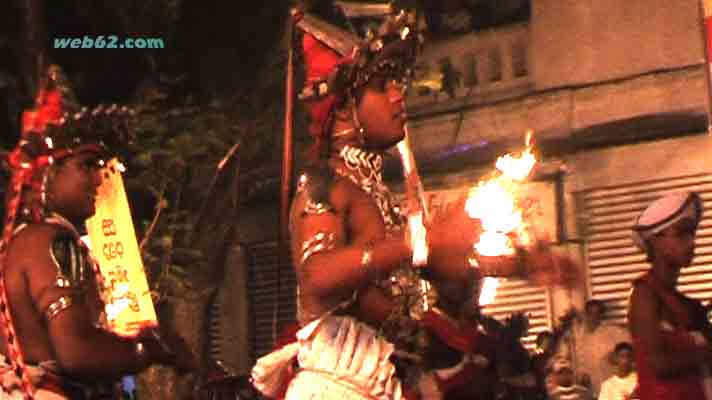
(34, 238)
(314, 217)
(31, 247)
(337, 196)
(644, 310)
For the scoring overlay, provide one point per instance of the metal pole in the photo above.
(287, 156)
(287, 161)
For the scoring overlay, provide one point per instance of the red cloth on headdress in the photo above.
(319, 62)
(34, 154)
(49, 111)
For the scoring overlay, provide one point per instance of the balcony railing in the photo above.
(475, 68)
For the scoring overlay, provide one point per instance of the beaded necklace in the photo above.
(365, 171)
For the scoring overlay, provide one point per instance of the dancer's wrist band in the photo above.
(140, 353)
(367, 258)
(417, 236)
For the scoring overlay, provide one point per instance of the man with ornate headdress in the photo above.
(360, 289)
(56, 345)
(670, 331)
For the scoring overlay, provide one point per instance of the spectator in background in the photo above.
(543, 353)
(592, 343)
(620, 386)
(565, 387)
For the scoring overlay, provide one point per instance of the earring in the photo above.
(360, 132)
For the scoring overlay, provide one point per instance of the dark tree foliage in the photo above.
(218, 82)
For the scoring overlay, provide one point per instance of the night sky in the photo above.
(212, 48)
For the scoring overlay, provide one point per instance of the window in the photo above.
(495, 63)
(519, 59)
(471, 75)
(271, 280)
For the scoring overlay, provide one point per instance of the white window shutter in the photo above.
(520, 296)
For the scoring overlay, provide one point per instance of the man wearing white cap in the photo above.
(671, 355)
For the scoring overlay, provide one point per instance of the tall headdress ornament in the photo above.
(54, 129)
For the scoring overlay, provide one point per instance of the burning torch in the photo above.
(495, 203)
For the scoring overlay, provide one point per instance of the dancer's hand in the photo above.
(546, 266)
(452, 235)
(168, 350)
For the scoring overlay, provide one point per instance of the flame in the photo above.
(518, 168)
(488, 292)
(495, 203)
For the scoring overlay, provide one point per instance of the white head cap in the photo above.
(663, 213)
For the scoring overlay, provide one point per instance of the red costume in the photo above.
(457, 381)
(686, 384)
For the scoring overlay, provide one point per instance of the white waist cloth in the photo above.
(40, 394)
(11, 387)
(339, 358)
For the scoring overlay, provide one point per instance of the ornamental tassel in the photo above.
(14, 350)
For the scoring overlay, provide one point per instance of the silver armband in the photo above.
(367, 259)
(70, 262)
(312, 208)
(140, 353)
(315, 184)
(417, 239)
(57, 306)
(320, 242)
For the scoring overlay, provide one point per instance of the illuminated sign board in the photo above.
(113, 242)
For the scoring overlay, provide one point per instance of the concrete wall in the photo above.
(594, 114)
(645, 161)
(576, 42)
(597, 70)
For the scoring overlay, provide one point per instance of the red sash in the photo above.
(464, 339)
(685, 384)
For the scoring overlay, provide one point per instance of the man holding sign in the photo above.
(58, 342)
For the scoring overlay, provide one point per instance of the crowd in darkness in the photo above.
(583, 358)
